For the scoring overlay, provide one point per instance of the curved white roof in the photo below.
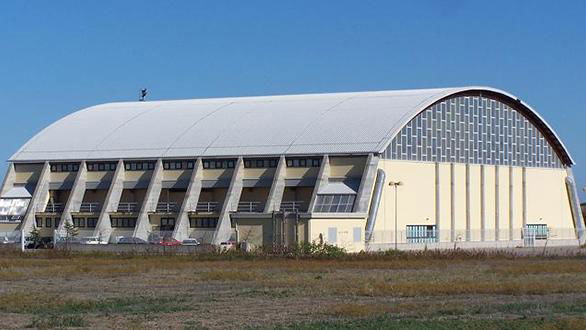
(360, 122)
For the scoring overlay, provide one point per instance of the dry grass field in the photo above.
(416, 290)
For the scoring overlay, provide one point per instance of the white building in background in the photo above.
(474, 166)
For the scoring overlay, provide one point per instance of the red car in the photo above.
(168, 242)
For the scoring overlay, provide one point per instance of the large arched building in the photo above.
(471, 165)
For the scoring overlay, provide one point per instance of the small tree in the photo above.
(35, 237)
(70, 232)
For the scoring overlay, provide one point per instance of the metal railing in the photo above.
(249, 206)
(90, 207)
(292, 206)
(54, 207)
(167, 207)
(206, 207)
(128, 207)
(445, 238)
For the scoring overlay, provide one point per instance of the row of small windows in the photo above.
(218, 164)
(473, 129)
(178, 164)
(85, 222)
(123, 222)
(186, 164)
(94, 167)
(49, 222)
(65, 167)
(303, 162)
(203, 222)
(139, 166)
(260, 163)
(334, 203)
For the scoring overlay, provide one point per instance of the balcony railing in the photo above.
(128, 207)
(292, 206)
(167, 207)
(90, 207)
(54, 207)
(250, 206)
(206, 207)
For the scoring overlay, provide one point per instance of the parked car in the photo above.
(167, 242)
(190, 242)
(6, 240)
(92, 241)
(131, 240)
(228, 245)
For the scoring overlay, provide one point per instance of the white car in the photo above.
(190, 241)
(93, 241)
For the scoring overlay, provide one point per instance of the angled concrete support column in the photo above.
(579, 225)
(75, 197)
(224, 229)
(104, 226)
(38, 200)
(149, 204)
(277, 188)
(322, 180)
(364, 194)
(181, 231)
(9, 179)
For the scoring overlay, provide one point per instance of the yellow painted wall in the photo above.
(347, 167)
(460, 200)
(345, 232)
(137, 175)
(489, 201)
(547, 198)
(301, 172)
(176, 175)
(62, 176)
(26, 173)
(416, 197)
(517, 202)
(504, 202)
(475, 216)
(259, 173)
(217, 174)
(445, 200)
(98, 176)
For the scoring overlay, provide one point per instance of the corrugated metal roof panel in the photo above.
(268, 125)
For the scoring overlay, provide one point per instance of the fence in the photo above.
(527, 237)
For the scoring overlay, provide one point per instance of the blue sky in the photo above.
(60, 56)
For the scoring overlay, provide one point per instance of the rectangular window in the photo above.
(139, 165)
(39, 222)
(101, 166)
(334, 203)
(203, 222)
(260, 163)
(123, 222)
(92, 222)
(79, 222)
(48, 223)
(56, 222)
(213, 164)
(68, 167)
(539, 231)
(357, 231)
(304, 162)
(421, 233)
(332, 235)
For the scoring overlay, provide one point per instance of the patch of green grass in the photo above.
(455, 324)
(57, 321)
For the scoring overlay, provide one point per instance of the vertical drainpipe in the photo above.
(579, 225)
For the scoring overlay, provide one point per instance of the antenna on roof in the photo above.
(143, 94)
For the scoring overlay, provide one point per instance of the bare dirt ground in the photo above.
(401, 290)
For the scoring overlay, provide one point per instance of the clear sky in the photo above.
(60, 56)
